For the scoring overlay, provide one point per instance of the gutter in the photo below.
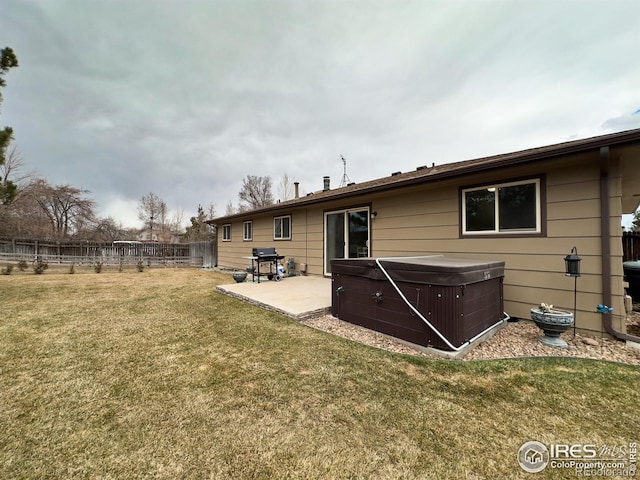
(605, 233)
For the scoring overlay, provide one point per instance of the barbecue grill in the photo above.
(270, 256)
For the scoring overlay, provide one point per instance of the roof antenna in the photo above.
(345, 178)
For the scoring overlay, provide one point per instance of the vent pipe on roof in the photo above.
(327, 183)
(395, 173)
(296, 186)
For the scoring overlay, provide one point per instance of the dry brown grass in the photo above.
(155, 375)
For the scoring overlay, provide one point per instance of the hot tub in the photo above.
(460, 298)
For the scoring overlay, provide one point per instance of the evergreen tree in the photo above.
(8, 60)
(199, 230)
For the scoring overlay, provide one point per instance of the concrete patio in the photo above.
(306, 297)
(298, 297)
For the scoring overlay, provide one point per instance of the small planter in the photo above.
(239, 276)
(553, 323)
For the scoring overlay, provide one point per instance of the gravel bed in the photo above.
(515, 339)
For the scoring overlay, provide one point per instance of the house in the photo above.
(527, 208)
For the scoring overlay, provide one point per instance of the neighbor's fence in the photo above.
(630, 246)
(201, 254)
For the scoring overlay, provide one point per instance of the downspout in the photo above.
(605, 229)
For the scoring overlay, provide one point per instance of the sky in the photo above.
(185, 98)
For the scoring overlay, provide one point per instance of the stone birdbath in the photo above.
(553, 322)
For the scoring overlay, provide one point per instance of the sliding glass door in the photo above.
(346, 235)
(334, 241)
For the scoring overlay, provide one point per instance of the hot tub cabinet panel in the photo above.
(460, 297)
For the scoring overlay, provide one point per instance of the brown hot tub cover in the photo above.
(460, 297)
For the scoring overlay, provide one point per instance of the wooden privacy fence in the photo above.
(201, 254)
(630, 246)
(205, 250)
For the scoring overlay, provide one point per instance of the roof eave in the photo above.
(476, 165)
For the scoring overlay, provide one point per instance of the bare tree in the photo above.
(108, 230)
(170, 225)
(286, 189)
(152, 212)
(255, 192)
(66, 209)
(11, 170)
(177, 219)
(229, 209)
(102, 230)
(24, 217)
(211, 211)
(164, 215)
(43, 211)
(12, 182)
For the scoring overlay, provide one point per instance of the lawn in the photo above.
(155, 375)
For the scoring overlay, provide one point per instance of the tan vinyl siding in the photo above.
(569, 210)
(427, 222)
(306, 238)
(315, 241)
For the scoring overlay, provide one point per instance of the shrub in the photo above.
(22, 265)
(40, 266)
(7, 270)
(98, 267)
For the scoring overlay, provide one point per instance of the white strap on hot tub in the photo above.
(415, 310)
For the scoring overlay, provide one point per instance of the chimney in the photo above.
(296, 186)
(327, 183)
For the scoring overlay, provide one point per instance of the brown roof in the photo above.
(437, 172)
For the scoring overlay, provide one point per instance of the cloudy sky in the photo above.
(184, 98)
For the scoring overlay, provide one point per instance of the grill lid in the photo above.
(265, 252)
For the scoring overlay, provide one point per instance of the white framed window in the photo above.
(282, 228)
(226, 232)
(247, 231)
(503, 208)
